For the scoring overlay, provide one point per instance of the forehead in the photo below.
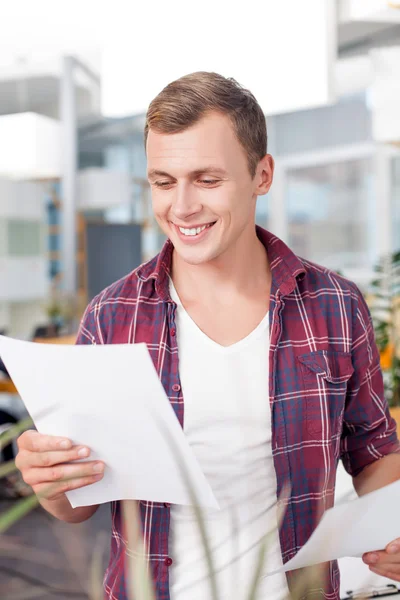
(210, 141)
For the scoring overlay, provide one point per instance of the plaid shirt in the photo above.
(325, 388)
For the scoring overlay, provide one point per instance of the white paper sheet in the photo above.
(362, 525)
(110, 399)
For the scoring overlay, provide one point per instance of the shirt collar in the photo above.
(286, 267)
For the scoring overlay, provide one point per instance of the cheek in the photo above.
(159, 206)
(227, 201)
(240, 206)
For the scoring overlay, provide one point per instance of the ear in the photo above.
(264, 175)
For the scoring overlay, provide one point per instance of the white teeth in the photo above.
(193, 230)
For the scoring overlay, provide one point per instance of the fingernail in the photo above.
(393, 549)
(372, 558)
(98, 468)
(64, 445)
(83, 452)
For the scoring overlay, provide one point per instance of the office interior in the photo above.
(75, 215)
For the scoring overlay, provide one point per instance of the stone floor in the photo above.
(43, 558)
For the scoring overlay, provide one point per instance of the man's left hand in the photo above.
(385, 562)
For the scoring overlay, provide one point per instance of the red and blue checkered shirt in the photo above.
(325, 393)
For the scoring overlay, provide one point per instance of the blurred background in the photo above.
(75, 207)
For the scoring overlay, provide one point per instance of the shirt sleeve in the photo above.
(369, 432)
(87, 333)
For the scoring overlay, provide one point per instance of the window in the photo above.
(331, 214)
(262, 210)
(3, 237)
(25, 238)
(396, 203)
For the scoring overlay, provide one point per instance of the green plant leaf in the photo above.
(13, 432)
(259, 567)
(96, 591)
(7, 468)
(19, 510)
(196, 508)
(139, 584)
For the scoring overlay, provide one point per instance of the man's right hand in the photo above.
(47, 465)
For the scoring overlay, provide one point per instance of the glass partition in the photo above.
(331, 214)
(396, 202)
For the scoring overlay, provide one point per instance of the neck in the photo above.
(241, 269)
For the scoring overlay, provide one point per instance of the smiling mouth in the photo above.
(193, 231)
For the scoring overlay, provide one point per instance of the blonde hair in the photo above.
(185, 101)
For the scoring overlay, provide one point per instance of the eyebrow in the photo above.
(209, 169)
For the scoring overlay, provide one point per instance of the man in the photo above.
(278, 374)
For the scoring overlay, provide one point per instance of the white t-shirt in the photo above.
(227, 421)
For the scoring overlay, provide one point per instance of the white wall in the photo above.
(4, 315)
(30, 146)
(23, 267)
(23, 279)
(21, 318)
(25, 316)
(99, 189)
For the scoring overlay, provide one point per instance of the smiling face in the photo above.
(203, 195)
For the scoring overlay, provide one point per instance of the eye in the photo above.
(162, 184)
(209, 181)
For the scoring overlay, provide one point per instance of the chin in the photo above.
(192, 260)
(195, 257)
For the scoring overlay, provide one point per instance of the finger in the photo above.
(64, 472)
(393, 547)
(26, 459)
(53, 491)
(387, 564)
(371, 558)
(386, 573)
(33, 441)
(381, 558)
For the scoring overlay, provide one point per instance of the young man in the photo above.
(268, 360)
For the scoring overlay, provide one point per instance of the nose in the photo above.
(185, 202)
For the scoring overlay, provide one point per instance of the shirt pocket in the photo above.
(324, 380)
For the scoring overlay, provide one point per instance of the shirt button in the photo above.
(168, 561)
(173, 332)
(176, 387)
